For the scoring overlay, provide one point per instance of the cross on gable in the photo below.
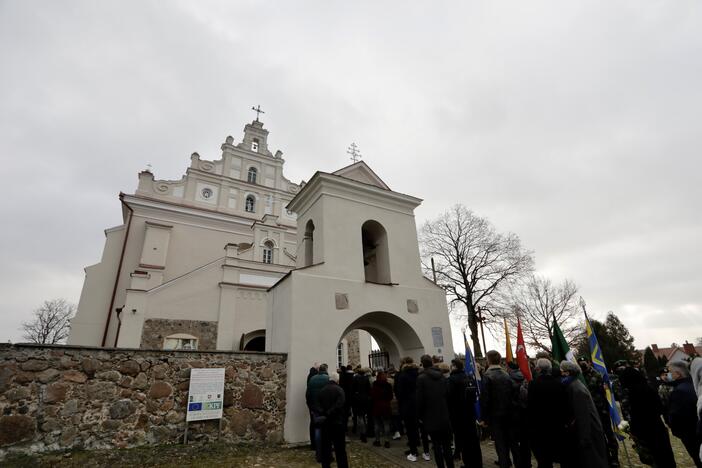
(258, 111)
(354, 152)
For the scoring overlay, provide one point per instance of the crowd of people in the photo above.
(561, 415)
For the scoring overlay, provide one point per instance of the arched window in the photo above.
(250, 204)
(376, 260)
(180, 341)
(254, 145)
(268, 252)
(309, 243)
(251, 178)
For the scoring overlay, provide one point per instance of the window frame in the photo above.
(253, 203)
(249, 172)
(268, 247)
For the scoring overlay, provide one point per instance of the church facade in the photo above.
(191, 266)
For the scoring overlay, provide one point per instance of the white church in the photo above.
(234, 256)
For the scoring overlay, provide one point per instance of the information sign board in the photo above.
(206, 394)
(437, 336)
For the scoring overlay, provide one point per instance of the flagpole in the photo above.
(614, 428)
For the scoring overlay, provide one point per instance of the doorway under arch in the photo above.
(253, 341)
(393, 335)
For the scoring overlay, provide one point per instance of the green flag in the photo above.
(559, 346)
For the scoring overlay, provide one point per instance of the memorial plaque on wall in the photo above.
(437, 336)
(206, 394)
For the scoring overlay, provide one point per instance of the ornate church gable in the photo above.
(360, 172)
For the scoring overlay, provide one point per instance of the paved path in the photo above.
(396, 453)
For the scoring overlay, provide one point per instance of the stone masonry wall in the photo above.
(353, 353)
(156, 330)
(61, 397)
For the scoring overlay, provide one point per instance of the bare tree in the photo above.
(538, 302)
(51, 322)
(473, 262)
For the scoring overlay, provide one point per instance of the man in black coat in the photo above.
(646, 427)
(330, 407)
(496, 408)
(361, 388)
(405, 387)
(461, 403)
(682, 411)
(346, 384)
(432, 410)
(547, 402)
(313, 371)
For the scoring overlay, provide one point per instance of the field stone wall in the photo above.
(62, 397)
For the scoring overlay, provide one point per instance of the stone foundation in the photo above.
(155, 332)
(62, 397)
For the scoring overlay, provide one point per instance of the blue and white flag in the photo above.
(599, 365)
(471, 370)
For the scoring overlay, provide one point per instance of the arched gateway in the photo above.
(361, 270)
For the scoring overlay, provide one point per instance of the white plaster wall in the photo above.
(305, 323)
(88, 325)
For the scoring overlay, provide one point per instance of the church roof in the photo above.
(361, 172)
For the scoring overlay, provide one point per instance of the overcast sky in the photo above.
(576, 125)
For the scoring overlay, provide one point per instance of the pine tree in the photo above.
(615, 341)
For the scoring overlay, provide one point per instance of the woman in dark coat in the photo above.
(650, 435)
(584, 432)
(381, 396)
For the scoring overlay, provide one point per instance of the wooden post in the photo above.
(185, 437)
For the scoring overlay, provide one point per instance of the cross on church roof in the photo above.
(258, 111)
(354, 152)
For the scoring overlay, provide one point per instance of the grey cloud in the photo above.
(574, 125)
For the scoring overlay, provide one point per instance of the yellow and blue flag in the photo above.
(599, 365)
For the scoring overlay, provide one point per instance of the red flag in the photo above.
(522, 358)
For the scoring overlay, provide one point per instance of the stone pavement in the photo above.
(396, 453)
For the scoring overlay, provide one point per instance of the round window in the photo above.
(206, 193)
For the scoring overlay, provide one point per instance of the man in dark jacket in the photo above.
(682, 411)
(546, 400)
(461, 403)
(432, 410)
(313, 371)
(584, 436)
(496, 408)
(650, 436)
(346, 384)
(520, 422)
(314, 385)
(330, 407)
(361, 402)
(405, 387)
